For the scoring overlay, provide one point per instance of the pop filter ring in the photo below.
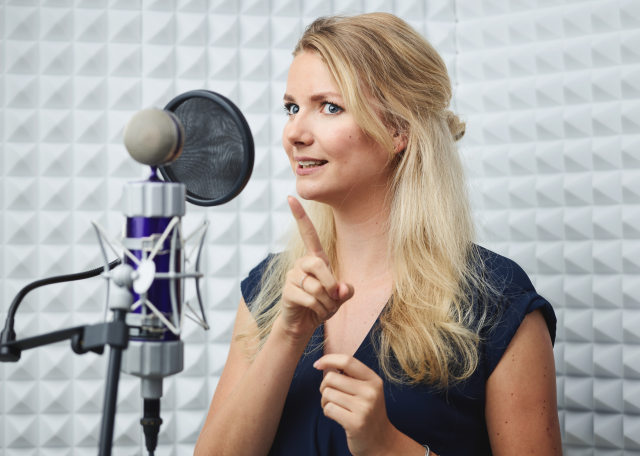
(247, 146)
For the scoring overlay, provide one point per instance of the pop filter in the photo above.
(218, 153)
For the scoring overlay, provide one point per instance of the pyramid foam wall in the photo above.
(551, 91)
(72, 73)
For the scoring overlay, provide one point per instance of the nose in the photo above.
(297, 132)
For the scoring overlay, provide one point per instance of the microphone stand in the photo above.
(83, 340)
(120, 308)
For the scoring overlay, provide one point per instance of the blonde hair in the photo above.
(429, 330)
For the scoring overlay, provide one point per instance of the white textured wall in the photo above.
(552, 93)
(72, 73)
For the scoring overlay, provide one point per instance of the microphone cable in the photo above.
(8, 334)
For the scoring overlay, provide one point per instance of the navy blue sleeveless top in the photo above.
(451, 422)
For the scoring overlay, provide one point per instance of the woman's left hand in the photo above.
(355, 399)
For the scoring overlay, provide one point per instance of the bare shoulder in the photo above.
(521, 409)
(236, 365)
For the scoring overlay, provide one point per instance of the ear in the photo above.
(399, 142)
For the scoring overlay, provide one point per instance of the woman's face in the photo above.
(348, 163)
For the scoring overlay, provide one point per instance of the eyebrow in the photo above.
(317, 97)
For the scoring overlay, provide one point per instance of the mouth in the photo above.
(306, 164)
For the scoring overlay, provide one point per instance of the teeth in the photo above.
(310, 163)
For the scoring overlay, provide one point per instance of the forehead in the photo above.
(309, 75)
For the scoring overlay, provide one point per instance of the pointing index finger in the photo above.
(306, 228)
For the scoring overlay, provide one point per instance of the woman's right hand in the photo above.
(320, 297)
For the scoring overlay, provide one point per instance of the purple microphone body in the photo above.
(153, 210)
(159, 294)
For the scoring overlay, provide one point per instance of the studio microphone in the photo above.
(152, 273)
(203, 149)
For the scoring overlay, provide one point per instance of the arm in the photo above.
(246, 407)
(521, 408)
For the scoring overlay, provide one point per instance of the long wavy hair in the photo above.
(429, 330)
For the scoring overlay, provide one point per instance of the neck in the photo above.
(362, 238)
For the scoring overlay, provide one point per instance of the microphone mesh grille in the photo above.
(151, 137)
(213, 153)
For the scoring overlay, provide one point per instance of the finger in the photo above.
(338, 414)
(345, 292)
(318, 268)
(344, 400)
(351, 366)
(313, 286)
(299, 297)
(307, 230)
(348, 385)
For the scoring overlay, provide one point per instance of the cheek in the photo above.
(347, 144)
(357, 155)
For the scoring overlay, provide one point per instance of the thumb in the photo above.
(345, 292)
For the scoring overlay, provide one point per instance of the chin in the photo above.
(307, 194)
(310, 193)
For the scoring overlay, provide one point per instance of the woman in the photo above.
(382, 329)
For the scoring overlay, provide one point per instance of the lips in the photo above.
(306, 170)
(305, 158)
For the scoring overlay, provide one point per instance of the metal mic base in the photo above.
(152, 361)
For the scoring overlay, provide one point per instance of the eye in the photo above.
(290, 109)
(331, 108)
